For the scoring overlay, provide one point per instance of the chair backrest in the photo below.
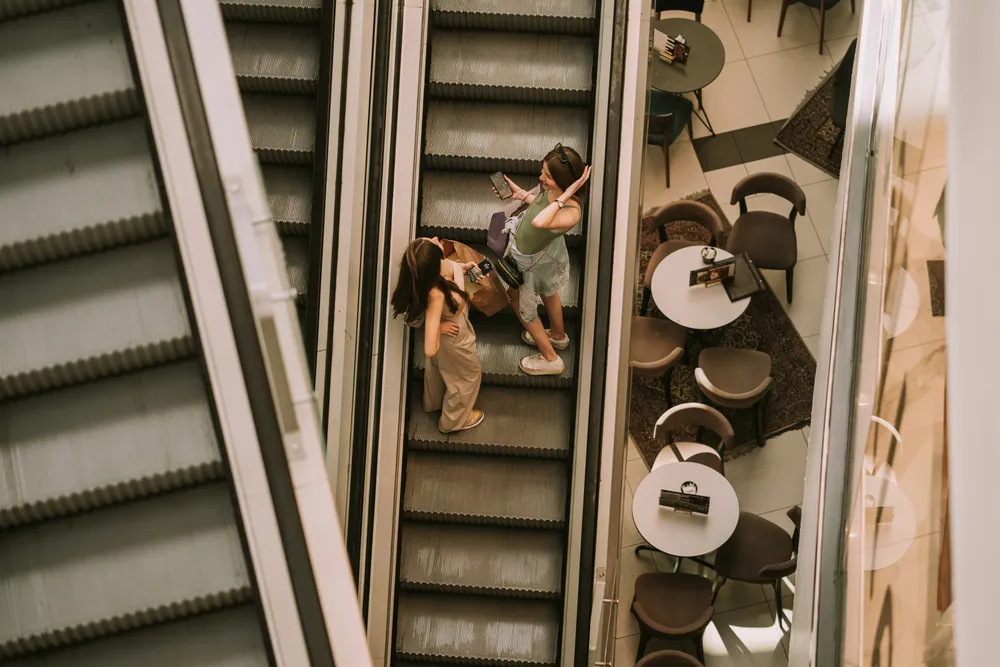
(696, 7)
(695, 414)
(795, 516)
(688, 210)
(768, 183)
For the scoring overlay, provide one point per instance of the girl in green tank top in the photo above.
(540, 253)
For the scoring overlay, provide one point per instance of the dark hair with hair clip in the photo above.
(566, 166)
(419, 273)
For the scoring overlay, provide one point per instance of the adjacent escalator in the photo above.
(119, 539)
(275, 47)
(484, 516)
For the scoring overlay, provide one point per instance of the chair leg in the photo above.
(758, 422)
(717, 586)
(666, 160)
(645, 547)
(789, 282)
(784, 10)
(643, 640)
(777, 602)
(646, 294)
(749, 9)
(666, 387)
(822, 20)
(852, 7)
(699, 647)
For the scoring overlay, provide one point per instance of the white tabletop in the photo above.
(685, 534)
(697, 307)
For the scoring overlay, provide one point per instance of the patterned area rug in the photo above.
(809, 132)
(764, 326)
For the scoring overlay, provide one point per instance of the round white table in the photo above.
(685, 535)
(699, 307)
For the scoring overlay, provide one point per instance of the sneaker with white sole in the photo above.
(536, 364)
(558, 344)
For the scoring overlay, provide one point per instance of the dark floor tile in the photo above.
(757, 142)
(778, 124)
(717, 152)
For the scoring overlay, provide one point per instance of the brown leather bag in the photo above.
(488, 295)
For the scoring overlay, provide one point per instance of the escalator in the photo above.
(275, 47)
(482, 545)
(120, 542)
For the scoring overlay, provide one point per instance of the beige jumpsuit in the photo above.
(453, 375)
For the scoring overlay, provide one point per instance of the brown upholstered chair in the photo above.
(672, 606)
(684, 210)
(759, 552)
(668, 659)
(657, 347)
(702, 416)
(821, 5)
(769, 238)
(736, 378)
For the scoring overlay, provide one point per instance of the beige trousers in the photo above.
(452, 377)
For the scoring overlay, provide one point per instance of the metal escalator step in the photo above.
(62, 70)
(85, 191)
(560, 16)
(511, 67)
(120, 568)
(297, 262)
(532, 423)
(500, 354)
(12, 9)
(272, 11)
(269, 58)
(282, 127)
(490, 490)
(91, 317)
(106, 442)
(512, 562)
(289, 193)
(228, 638)
(479, 631)
(509, 137)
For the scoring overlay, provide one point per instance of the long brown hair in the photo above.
(566, 166)
(419, 273)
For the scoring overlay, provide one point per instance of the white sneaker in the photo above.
(536, 364)
(558, 344)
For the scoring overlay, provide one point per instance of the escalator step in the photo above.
(230, 638)
(282, 127)
(517, 423)
(91, 317)
(271, 58)
(560, 16)
(85, 191)
(481, 560)
(500, 353)
(272, 11)
(458, 205)
(62, 70)
(471, 136)
(12, 9)
(121, 568)
(289, 193)
(103, 443)
(490, 490)
(477, 631)
(297, 262)
(511, 67)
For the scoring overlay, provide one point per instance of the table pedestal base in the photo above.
(703, 116)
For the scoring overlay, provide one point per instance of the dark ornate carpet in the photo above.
(764, 326)
(809, 132)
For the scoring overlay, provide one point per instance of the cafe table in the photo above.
(705, 61)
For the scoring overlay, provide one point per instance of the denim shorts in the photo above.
(545, 273)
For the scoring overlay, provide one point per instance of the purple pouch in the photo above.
(496, 237)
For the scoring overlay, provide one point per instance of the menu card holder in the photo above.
(685, 503)
(713, 274)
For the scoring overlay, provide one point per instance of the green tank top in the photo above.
(531, 239)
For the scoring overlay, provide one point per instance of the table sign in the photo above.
(685, 503)
(713, 274)
(676, 50)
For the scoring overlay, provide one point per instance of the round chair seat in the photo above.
(668, 659)
(733, 377)
(690, 451)
(673, 604)
(755, 544)
(653, 340)
(767, 237)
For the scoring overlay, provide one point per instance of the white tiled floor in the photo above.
(764, 79)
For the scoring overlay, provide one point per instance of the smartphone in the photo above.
(478, 271)
(501, 186)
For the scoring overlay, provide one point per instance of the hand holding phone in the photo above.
(476, 273)
(501, 186)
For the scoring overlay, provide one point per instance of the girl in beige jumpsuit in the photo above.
(430, 291)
